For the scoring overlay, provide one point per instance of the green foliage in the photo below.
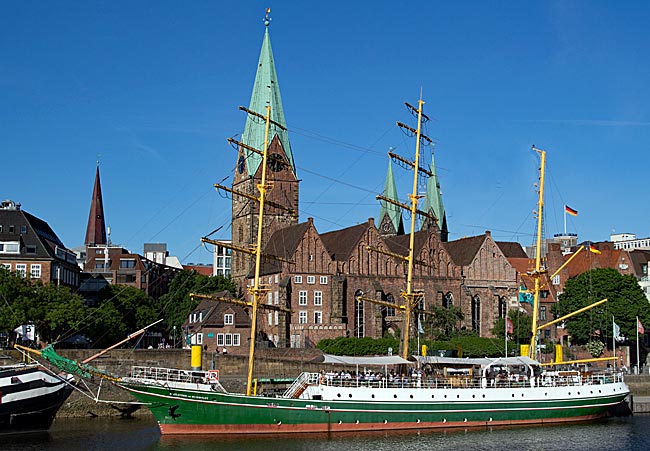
(177, 303)
(358, 346)
(626, 301)
(443, 324)
(470, 345)
(522, 326)
(595, 348)
(54, 310)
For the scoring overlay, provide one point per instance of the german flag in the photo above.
(593, 249)
(570, 210)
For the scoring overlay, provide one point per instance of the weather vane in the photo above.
(267, 19)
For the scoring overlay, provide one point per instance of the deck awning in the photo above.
(381, 360)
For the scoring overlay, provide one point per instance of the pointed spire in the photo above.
(96, 230)
(390, 216)
(433, 203)
(266, 90)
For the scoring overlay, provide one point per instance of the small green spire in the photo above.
(433, 200)
(266, 91)
(387, 209)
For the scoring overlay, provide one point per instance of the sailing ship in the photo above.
(455, 393)
(30, 397)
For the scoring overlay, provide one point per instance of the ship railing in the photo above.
(175, 375)
(512, 381)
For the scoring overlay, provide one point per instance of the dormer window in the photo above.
(228, 319)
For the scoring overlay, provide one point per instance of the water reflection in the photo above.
(142, 434)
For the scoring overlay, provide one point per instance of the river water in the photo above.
(631, 433)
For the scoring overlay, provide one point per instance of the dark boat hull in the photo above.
(30, 398)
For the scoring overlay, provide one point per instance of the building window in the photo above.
(199, 339)
(235, 339)
(297, 279)
(302, 298)
(476, 314)
(318, 298)
(276, 297)
(30, 249)
(220, 339)
(127, 263)
(359, 320)
(6, 266)
(21, 269)
(35, 271)
(542, 313)
(23, 229)
(229, 319)
(323, 280)
(126, 278)
(390, 311)
(10, 247)
(228, 340)
(318, 317)
(302, 317)
(556, 280)
(311, 279)
(11, 229)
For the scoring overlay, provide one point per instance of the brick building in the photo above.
(330, 270)
(29, 247)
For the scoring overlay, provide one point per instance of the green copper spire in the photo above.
(389, 214)
(433, 200)
(266, 90)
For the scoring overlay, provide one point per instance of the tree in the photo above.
(625, 302)
(522, 326)
(177, 303)
(444, 321)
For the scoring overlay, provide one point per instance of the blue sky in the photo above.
(151, 88)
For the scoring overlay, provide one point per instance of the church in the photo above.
(331, 270)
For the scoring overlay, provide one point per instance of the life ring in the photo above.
(213, 376)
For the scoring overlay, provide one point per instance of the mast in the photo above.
(537, 272)
(257, 291)
(409, 295)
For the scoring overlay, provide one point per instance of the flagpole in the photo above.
(614, 340)
(565, 220)
(638, 360)
(505, 335)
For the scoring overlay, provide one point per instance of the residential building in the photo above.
(30, 248)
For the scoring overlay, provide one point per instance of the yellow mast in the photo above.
(257, 290)
(537, 273)
(409, 295)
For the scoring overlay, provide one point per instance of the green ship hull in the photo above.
(189, 411)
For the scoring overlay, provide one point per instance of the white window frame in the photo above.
(10, 247)
(302, 297)
(228, 319)
(228, 341)
(318, 317)
(297, 279)
(220, 339)
(6, 266)
(318, 298)
(323, 280)
(311, 280)
(199, 338)
(21, 270)
(235, 340)
(302, 317)
(556, 279)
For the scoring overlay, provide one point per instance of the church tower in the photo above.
(433, 205)
(390, 215)
(281, 169)
(96, 229)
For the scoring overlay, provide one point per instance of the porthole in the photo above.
(411, 396)
(445, 396)
(385, 421)
(418, 421)
(513, 395)
(395, 396)
(373, 396)
(338, 395)
(483, 395)
(350, 395)
(457, 396)
(340, 421)
(473, 396)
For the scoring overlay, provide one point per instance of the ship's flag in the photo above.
(570, 210)
(593, 249)
(639, 327)
(617, 332)
(509, 326)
